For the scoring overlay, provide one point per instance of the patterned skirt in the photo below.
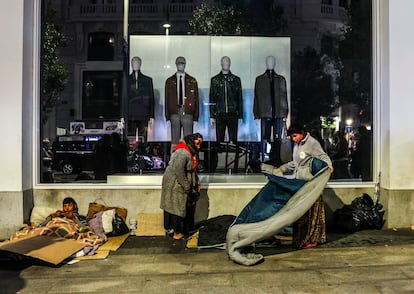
(310, 228)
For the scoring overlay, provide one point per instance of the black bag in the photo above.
(119, 227)
(362, 214)
(193, 196)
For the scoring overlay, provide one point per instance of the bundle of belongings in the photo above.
(53, 236)
(280, 203)
(362, 214)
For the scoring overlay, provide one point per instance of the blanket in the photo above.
(61, 227)
(279, 204)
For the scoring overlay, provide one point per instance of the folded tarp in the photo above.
(279, 203)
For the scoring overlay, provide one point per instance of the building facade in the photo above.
(19, 181)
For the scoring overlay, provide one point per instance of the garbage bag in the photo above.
(361, 214)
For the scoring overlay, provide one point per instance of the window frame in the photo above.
(376, 108)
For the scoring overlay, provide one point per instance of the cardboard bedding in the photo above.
(59, 239)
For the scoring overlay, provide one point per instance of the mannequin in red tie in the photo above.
(181, 101)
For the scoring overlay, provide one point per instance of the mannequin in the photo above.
(226, 103)
(140, 108)
(270, 105)
(181, 112)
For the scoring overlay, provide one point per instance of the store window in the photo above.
(324, 58)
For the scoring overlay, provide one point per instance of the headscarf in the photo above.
(189, 145)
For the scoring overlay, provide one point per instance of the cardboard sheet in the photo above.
(112, 244)
(49, 249)
(150, 224)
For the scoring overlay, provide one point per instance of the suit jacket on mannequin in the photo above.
(190, 96)
(263, 102)
(141, 98)
(218, 86)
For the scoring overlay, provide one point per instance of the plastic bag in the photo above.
(119, 227)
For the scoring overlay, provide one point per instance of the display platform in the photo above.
(209, 180)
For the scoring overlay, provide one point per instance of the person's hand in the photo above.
(330, 170)
(58, 213)
(69, 214)
(212, 121)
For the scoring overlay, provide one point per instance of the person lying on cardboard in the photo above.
(70, 211)
(65, 223)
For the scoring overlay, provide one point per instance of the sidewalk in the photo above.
(363, 262)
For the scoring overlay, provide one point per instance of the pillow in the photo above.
(107, 218)
(39, 214)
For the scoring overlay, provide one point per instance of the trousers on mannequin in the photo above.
(271, 129)
(231, 121)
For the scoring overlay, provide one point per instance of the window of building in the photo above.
(101, 46)
(327, 2)
(328, 68)
(101, 95)
(343, 3)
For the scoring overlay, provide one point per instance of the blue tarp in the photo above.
(278, 204)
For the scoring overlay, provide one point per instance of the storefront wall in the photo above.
(393, 60)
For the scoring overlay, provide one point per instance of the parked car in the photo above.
(138, 163)
(74, 154)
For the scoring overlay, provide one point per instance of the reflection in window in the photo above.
(101, 46)
(331, 74)
(327, 2)
(101, 95)
(343, 3)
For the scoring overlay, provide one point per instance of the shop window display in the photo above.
(138, 107)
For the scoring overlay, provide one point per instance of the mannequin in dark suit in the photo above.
(226, 104)
(270, 104)
(181, 112)
(140, 108)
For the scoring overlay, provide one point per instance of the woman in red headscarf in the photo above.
(180, 187)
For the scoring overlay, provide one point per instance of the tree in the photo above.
(264, 18)
(227, 17)
(54, 75)
(216, 21)
(355, 51)
(311, 88)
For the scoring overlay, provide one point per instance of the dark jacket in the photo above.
(190, 96)
(262, 101)
(141, 98)
(222, 103)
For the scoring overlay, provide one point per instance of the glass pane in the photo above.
(88, 82)
(101, 95)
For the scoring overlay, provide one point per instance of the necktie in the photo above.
(272, 93)
(180, 92)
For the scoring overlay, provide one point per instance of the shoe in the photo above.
(178, 236)
(309, 245)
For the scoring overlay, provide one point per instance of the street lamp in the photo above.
(166, 26)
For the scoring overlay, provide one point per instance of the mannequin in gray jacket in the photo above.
(270, 103)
